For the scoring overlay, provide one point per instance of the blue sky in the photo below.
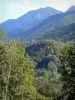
(11, 9)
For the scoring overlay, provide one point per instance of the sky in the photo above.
(12, 9)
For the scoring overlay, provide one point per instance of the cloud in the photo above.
(26, 6)
(27, 2)
(60, 4)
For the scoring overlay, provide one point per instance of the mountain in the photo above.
(28, 20)
(51, 23)
(72, 8)
(65, 33)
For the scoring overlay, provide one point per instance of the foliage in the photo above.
(31, 72)
(46, 56)
(3, 33)
(65, 33)
(16, 73)
(68, 73)
(42, 49)
(46, 87)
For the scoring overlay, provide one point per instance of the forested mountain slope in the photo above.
(65, 33)
(49, 24)
(52, 23)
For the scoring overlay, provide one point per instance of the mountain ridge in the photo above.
(50, 23)
(72, 8)
(31, 16)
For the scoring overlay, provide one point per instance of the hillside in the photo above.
(50, 24)
(65, 33)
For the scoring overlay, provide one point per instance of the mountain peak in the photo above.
(30, 19)
(72, 8)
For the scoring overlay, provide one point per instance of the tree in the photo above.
(3, 33)
(53, 68)
(68, 73)
(16, 73)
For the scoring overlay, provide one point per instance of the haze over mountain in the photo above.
(49, 24)
(29, 20)
(37, 23)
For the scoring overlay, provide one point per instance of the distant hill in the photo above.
(28, 20)
(65, 33)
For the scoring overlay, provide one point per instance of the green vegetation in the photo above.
(65, 33)
(43, 70)
(16, 73)
(67, 70)
(46, 56)
(54, 69)
(2, 34)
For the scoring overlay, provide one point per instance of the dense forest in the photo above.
(41, 71)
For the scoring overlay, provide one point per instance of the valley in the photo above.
(37, 56)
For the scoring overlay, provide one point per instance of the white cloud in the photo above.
(58, 4)
(15, 8)
(26, 6)
(28, 2)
